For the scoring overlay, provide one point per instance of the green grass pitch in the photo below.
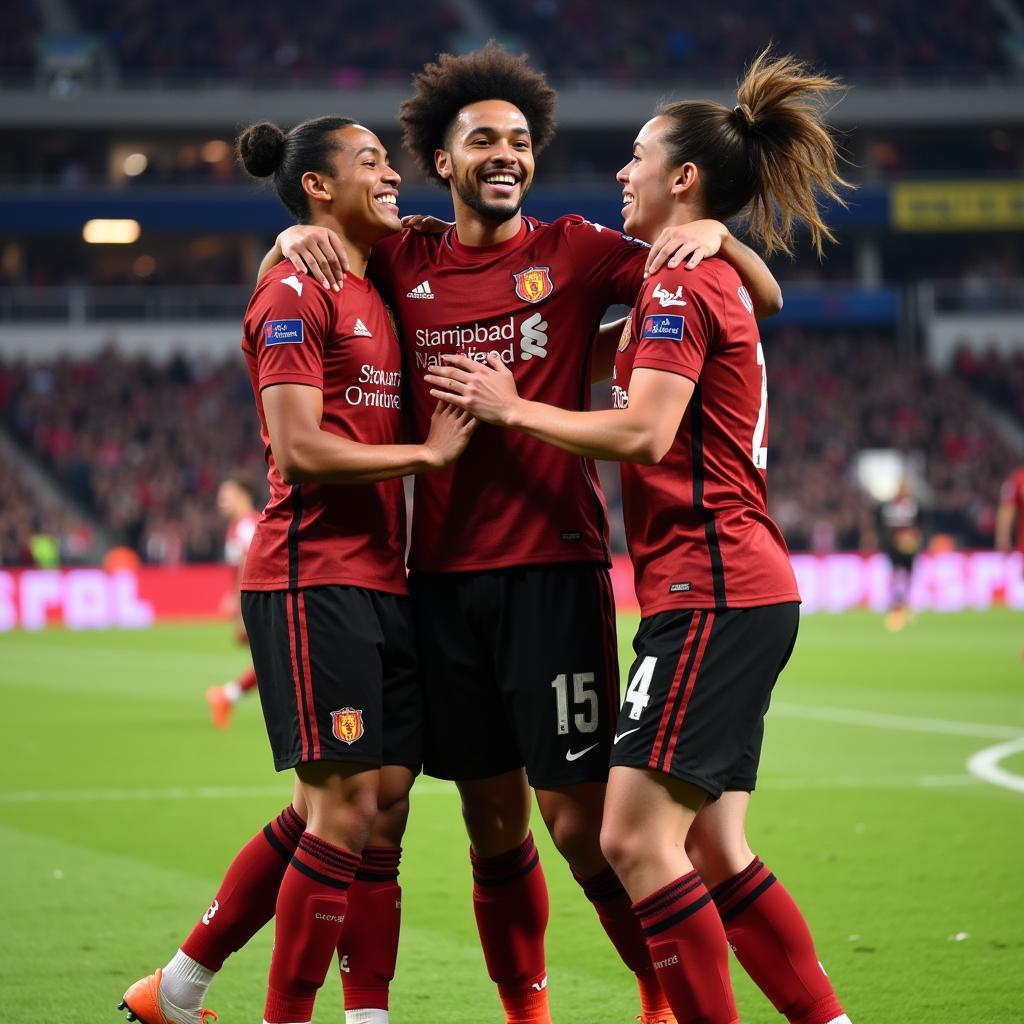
(120, 808)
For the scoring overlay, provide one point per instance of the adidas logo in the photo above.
(361, 329)
(421, 291)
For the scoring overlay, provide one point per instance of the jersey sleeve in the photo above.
(610, 262)
(676, 326)
(288, 327)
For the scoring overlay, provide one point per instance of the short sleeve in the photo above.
(288, 324)
(609, 261)
(676, 326)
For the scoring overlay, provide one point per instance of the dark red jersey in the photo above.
(1013, 491)
(697, 523)
(536, 300)
(296, 332)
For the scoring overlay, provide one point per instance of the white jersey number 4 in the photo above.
(759, 451)
(637, 695)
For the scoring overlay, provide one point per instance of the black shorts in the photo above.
(698, 692)
(902, 560)
(338, 675)
(520, 668)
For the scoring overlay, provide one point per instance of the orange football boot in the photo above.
(142, 1001)
(220, 707)
(656, 1018)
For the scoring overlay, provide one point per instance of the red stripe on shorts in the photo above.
(288, 612)
(310, 705)
(666, 712)
(707, 621)
(611, 649)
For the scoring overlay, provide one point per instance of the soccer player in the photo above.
(900, 522)
(324, 594)
(1009, 510)
(717, 592)
(236, 502)
(509, 558)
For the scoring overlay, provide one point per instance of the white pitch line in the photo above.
(904, 723)
(32, 796)
(985, 765)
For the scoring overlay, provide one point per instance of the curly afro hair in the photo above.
(441, 90)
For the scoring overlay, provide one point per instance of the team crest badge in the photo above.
(534, 284)
(347, 724)
(627, 330)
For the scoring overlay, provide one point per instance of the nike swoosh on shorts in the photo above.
(628, 732)
(576, 755)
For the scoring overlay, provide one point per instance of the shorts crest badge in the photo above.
(534, 284)
(347, 724)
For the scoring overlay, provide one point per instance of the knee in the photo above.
(496, 820)
(621, 847)
(578, 840)
(390, 821)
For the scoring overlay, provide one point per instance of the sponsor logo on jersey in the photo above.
(668, 327)
(680, 588)
(283, 332)
(293, 282)
(347, 724)
(667, 298)
(534, 284)
(421, 291)
(533, 337)
(748, 302)
(638, 242)
(361, 329)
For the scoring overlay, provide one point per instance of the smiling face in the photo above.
(488, 161)
(363, 191)
(649, 188)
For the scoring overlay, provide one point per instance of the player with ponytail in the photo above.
(717, 592)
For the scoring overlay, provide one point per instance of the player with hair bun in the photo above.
(512, 599)
(717, 592)
(324, 601)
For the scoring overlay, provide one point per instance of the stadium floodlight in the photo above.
(111, 232)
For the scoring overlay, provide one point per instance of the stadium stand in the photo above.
(131, 438)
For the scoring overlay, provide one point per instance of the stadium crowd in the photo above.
(349, 44)
(998, 379)
(143, 444)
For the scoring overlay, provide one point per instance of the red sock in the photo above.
(368, 947)
(510, 899)
(689, 951)
(310, 909)
(773, 943)
(245, 900)
(615, 912)
(247, 680)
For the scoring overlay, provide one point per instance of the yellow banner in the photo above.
(957, 205)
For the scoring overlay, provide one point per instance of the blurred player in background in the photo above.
(508, 565)
(899, 521)
(236, 502)
(717, 592)
(324, 600)
(1009, 512)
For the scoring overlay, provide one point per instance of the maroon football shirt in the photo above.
(697, 523)
(296, 332)
(537, 300)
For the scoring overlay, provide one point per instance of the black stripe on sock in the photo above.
(276, 843)
(489, 881)
(682, 915)
(680, 887)
(334, 883)
(362, 875)
(729, 914)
